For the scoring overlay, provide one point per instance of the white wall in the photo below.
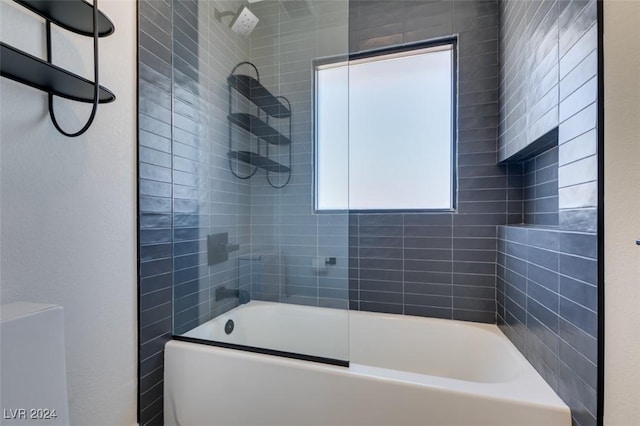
(622, 211)
(68, 211)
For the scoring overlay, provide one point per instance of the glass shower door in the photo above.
(255, 265)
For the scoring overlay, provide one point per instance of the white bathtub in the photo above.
(403, 371)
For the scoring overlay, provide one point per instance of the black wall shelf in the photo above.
(27, 69)
(253, 90)
(72, 15)
(255, 125)
(259, 161)
(268, 105)
(76, 16)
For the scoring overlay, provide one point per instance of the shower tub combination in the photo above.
(403, 370)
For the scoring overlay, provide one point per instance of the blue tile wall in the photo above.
(548, 80)
(440, 265)
(547, 284)
(430, 264)
(547, 299)
(155, 179)
(285, 232)
(541, 189)
(184, 182)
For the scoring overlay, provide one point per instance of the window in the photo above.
(384, 131)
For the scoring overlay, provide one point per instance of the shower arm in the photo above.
(219, 15)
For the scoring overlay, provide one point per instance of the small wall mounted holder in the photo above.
(76, 16)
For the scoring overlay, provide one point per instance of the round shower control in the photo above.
(228, 327)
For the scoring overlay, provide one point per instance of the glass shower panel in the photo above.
(255, 266)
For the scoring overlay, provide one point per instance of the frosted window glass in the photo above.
(332, 138)
(400, 134)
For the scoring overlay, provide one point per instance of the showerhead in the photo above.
(243, 22)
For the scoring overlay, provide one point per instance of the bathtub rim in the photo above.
(264, 351)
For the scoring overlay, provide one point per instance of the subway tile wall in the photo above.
(443, 264)
(541, 189)
(185, 188)
(286, 235)
(548, 79)
(577, 140)
(548, 277)
(548, 307)
(155, 79)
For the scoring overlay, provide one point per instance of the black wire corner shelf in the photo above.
(258, 160)
(268, 106)
(77, 16)
(259, 128)
(32, 71)
(253, 90)
(72, 15)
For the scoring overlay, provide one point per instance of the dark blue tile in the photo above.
(544, 277)
(543, 314)
(155, 267)
(543, 296)
(543, 239)
(516, 280)
(474, 292)
(428, 277)
(549, 189)
(427, 288)
(585, 344)
(516, 265)
(427, 254)
(428, 300)
(580, 390)
(516, 295)
(381, 275)
(474, 243)
(579, 292)
(156, 313)
(578, 315)
(585, 245)
(381, 220)
(428, 265)
(474, 268)
(391, 264)
(516, 250)
(155, 283)
(481, 280)
(579, 268)
(387, 308)
(152, 252)
(428, 243)
(475, 316)
(428, 231)
(380, 297)
(428, 311)
(474, 304)
(585, 369)
(544, 258)
(543, 333)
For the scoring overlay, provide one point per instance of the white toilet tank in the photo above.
(33, 376)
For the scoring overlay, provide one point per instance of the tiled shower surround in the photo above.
(547, 277)
(520, 249)
(547, 305)
(440, 264)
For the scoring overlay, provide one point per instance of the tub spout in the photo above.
(227, 293)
